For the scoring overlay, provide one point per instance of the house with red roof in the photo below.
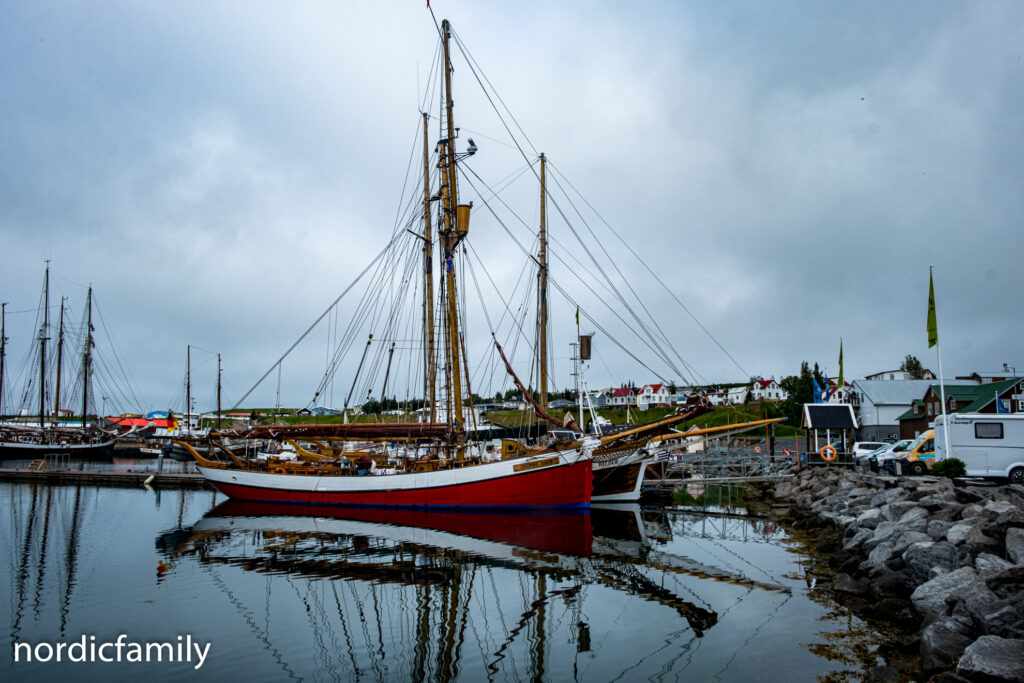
(623, 397)
(654, 395)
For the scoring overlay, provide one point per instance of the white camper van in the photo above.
(990, 445)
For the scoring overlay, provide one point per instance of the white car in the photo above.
(888, 452)
(862, 449)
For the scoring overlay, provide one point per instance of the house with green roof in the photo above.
(969, 398)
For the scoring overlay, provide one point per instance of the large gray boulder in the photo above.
(894, 511)
(884, 533)
(1015, 545)
(990, 565)
(930, 598)
(938, 528)
(942, 642)
(958, 532)
(1007, 583)
(887, 496)
(991, 658)
(921, 557)
(870, 518)
(878, 558)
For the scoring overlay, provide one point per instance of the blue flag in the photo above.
(1000, 408)
(817, 390)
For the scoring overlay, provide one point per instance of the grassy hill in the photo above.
(724, 415)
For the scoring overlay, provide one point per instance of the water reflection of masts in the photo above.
(71, 559)
(41, 573)
(26, 549)
(260, 634)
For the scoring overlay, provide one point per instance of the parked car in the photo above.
(990, 445)
(919, 458)
(861, 449)
(877, 459)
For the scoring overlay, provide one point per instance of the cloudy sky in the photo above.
(221, 172)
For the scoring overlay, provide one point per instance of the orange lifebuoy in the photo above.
(279, 470)
(828, 453)
(757, 449)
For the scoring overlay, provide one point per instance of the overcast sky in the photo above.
(220, 172)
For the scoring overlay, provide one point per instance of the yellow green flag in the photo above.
(839, 383)
(933, 328)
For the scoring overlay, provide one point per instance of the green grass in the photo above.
(724, 415)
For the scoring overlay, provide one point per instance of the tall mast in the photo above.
(456, 225)
(87, 356)
(218, 390)
(3, 351)
(42, 345)
(188, 388)
(430, 362)
(542, 293)
(60, 357)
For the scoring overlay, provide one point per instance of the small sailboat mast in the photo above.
(542, 294)
(429, 360)
(456, 225)
(3, 351)
(188, 388)
(43, 331)
(87, 357)
(60, 356)
(218, 390)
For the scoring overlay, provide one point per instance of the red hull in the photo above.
(568, 486)
(568, 533)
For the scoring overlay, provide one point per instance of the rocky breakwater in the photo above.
(947, 561)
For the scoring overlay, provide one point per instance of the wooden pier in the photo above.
(65, 477)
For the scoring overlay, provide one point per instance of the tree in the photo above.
(801, 390)
(912, 366)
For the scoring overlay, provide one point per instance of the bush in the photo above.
(950, 467)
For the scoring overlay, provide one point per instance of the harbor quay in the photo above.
(941, 558)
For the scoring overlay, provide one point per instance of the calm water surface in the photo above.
(287, 592)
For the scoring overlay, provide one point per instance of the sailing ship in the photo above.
(438, 463)
(25, 440)
(189, 431)
(447, 459)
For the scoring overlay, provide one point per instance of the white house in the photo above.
(879, 403)
(653, 395)
(717, 398)
(736, 396)
(890, 375)
(767, 390)
(623, 397)
(760, 390)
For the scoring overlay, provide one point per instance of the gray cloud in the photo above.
(220, 173)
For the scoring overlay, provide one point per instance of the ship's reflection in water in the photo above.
(282, 591)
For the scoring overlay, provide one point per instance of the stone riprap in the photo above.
(943, 559)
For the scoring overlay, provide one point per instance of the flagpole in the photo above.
(933, 321)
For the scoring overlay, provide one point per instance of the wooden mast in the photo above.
(456, 224)
(429, 361)
(218, 390)
(3, 351)
(188, 388)
(87, 357)
(542, 293)
(60, 356)
(42, 346)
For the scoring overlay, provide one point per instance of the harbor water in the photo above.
(272, 592)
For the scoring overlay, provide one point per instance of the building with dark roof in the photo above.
(968, 398)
